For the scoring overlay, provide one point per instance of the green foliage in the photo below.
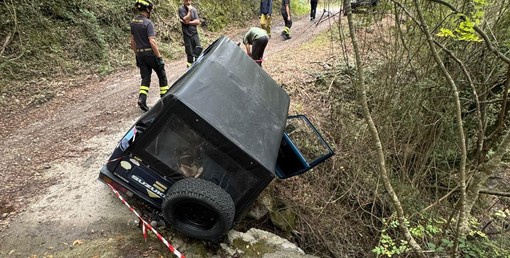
(298, 7)
(466, 22)
(217, 16)
(433, 235)
(502, 214)
(52, 37)
(390, 247)
(56, 35)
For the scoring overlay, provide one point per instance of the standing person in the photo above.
(286, 18)
(148, 57)
(189, 21)
(266, 9)
(256, 40)
(313, 9)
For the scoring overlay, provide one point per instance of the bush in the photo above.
(53, 37)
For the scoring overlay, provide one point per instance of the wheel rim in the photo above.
(196, 215)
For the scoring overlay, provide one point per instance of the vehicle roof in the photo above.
(227, 89)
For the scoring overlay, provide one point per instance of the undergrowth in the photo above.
(342, 207)
(55, 39)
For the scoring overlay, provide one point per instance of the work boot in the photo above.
(142, 102)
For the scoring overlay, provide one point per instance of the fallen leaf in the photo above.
(77, 242)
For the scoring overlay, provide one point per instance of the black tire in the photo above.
(199, 209)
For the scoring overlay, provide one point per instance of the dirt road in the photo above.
(51, 154)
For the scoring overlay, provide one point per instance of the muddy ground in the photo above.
(51, 203)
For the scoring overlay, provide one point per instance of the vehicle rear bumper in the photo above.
(105, 175)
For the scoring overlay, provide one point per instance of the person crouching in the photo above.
(256, 40)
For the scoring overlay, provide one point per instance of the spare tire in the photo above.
(199, 209)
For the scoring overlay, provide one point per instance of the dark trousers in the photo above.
(257, 49)
(190, 43)
(288, 23)
(313, 9)
(147, 62)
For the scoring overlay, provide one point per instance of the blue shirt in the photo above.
(266, 7)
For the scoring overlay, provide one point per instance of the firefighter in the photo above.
(189, 20)
(285, 10)
(256, 40)
(265, 11)
(148, 57)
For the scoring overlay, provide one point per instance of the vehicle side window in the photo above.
(306, 140)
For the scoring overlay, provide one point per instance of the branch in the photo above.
(7, 41)
(504, 108)
(486, 39)
(463, 211)
(456, 189)
(481, 128)
(381, 162)
(500, 151)
(496, 193)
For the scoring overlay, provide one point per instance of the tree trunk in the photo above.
(362, 96)
(462, 227)
(484, 172)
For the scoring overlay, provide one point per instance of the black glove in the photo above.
(160, 62)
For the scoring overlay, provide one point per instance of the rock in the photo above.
(229, 251)
(258, 210)
(260, 243)
(284, 218)
(246, 237)
(286, 254)
(279, 212)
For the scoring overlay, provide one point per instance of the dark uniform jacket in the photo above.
(284, 4)
(142, 28)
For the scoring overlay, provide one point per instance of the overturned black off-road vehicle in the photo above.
(200, 157)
